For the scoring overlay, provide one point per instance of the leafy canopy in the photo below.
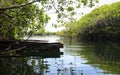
(101, 24)
(20, 17)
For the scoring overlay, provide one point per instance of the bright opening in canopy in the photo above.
(50, 28)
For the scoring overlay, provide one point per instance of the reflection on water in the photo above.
(49, 38)
(105, 56)
(15, 66)
(80, 58)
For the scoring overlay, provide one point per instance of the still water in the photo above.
(79, 58)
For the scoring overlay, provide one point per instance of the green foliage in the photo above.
(18, 17)
(101, 24)
(59, 15)
(70, 30)
(18, 22)
(70, 8)
(66, 9)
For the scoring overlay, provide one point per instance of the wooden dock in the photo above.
(29, 48)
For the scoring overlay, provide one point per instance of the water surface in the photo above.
(79, 58)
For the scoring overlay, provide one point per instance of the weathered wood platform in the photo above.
(29, 48)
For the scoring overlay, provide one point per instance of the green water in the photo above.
(79, 58)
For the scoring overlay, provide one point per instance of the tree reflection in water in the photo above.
(22, 66)
(15, 66)
(105, 56)
(100, 57)
(33, 66)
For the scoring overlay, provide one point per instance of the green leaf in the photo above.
(72, 13)
(70, 8)
(59, 15)
(61, 8)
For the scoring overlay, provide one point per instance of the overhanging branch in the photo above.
(52, 2)
(19, 6)
(7, 15)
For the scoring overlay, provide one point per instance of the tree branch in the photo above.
(19, 6)
(9, 16)
(52, 2)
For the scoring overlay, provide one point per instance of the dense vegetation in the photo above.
(21, 17)
(101, 24)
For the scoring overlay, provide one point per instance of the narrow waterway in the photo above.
(79, 58)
